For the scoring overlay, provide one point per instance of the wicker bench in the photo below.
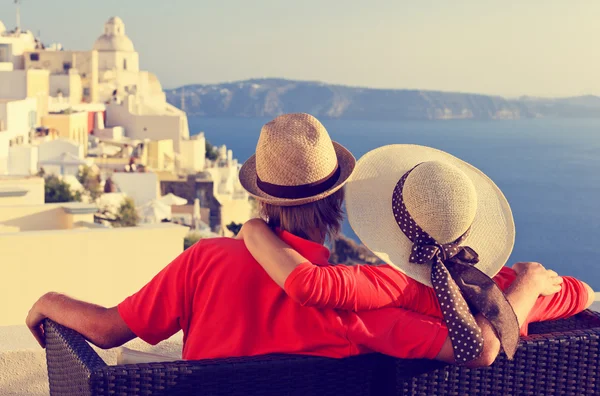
(558, 358)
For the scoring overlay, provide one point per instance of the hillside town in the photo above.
(101, 182)
(92, 121)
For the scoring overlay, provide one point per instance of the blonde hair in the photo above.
(314, 220)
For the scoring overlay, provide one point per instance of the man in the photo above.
(227, 305)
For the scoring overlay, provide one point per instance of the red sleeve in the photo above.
(397, 332)
(570, 300)
(357, 288)
(160, 308)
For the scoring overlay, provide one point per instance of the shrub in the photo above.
(211, 152)
(127, 215)
(91, 182)
(56, 190)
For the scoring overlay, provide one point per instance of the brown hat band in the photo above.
(459, 287)
(302, 190)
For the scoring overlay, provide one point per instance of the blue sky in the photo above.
(511, 48)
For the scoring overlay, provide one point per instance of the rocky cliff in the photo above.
(272, 97)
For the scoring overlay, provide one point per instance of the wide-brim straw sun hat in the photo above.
(479, 204)
(296, 162)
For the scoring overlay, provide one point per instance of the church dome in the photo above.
(114, 38)
(2, 27)
(113, 43)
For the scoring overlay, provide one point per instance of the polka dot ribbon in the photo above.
(461, 289)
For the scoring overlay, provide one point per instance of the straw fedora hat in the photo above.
(295, 162)
(445, 196)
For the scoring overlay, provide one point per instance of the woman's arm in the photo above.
(532, 281)
(359, 287)
(274, 255)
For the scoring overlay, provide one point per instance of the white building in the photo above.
(23, 100)
(148, 120)
(66, 89)
(135, 98)
(23, 160)
(51, 149)
(17, 120)
(15, 81)
(141, 187)
(13, 44)
(225, 174)
(109, 74)
(235, 205)
(192, 153)
(115, 49)
(66, 164)
(61, 157)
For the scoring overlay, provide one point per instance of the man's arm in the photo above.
(574, 297)
(103, 327)
(153, 314)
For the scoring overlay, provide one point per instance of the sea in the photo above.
(548, 169)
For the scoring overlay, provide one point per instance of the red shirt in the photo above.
(227, 305)
(367, 287)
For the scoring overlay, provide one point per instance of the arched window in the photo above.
(124, 64)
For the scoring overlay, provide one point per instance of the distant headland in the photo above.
(272, 97)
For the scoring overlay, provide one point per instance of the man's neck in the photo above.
(313, 235)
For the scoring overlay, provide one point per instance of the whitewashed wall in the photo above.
(141, 187)
(53, 148)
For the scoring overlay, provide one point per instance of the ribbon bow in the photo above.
(459, 287)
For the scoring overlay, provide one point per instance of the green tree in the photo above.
(56, 190)
(90, 181)
(211, 151)
(126, 216)
(234, 227)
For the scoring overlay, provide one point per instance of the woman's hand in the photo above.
(546, 281)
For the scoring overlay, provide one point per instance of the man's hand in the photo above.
(546, 281)
(34, 320)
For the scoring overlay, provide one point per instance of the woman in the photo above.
(365, 287)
